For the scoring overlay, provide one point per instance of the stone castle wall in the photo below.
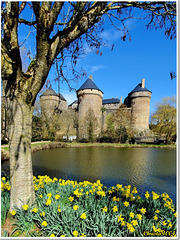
(49, 104)
(89, 108)
(140, 104)
(111, 106)
(68, 123)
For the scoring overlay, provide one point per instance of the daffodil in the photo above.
(99, 235)
(155, 195)
(13, 212)
(57, 196)
(83, 216)
(75, 233)
(114, 199)
(147, 195)
(115, 209)
(120, 218)
(35, 210)
(75, 207)
(130, 227)
(134, 222)
(104, 209)
(42, 214)
(49, 195)
(44, 223)
(52, 235)
(25, 207)
(83, 235)
(123, 223)
(139, 216)
(71, 199)
(143, 210)
(48, 202)
(126, 204)
(164, 223)
(134, 190)
(155, 217)
(131, 214)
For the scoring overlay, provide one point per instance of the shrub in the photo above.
(83, 140)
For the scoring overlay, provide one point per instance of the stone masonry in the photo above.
(91, 108)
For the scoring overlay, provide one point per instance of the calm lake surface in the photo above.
(149, 169)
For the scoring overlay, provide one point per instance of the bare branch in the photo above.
(21, 20)
(21, 8)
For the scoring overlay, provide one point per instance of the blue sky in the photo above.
(148, 55)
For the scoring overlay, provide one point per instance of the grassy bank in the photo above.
(85, 209)
(37, 146)
(34, 146)
(76, 144)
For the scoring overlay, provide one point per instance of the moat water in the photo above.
(148, 169)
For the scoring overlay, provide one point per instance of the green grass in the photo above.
(5, 148)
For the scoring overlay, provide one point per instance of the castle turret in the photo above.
(89, 109)
(139, 100)
(52, 103)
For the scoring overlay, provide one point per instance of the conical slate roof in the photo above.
(139, 88)
(49, 92)
(89, 84)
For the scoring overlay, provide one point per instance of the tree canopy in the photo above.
(164, 118)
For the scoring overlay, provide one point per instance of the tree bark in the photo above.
(20, 132)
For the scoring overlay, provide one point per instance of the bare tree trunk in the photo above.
(20, 132)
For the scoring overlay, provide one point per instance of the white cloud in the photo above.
(111, 35)
(96, 68)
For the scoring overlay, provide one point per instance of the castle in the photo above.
(74, 119)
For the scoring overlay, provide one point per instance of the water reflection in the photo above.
(146, 168)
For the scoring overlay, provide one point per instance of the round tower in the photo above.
(89, 109)
(52, 103)
(139, 101)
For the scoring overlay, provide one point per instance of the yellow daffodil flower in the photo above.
(44, 223)
(143, 210)
(57, 196)
(115, 209)
(75, 233)
(13, 212)
(75, 207)
(126, 204)
(25, 207)
(83, 216)
(99, 235)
